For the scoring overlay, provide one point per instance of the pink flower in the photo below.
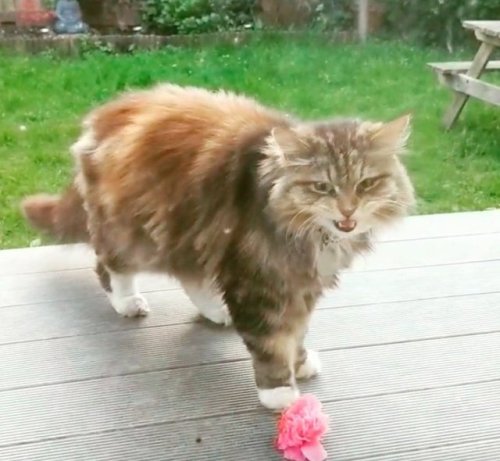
(300, 429)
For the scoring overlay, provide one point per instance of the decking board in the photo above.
(142, 350)
(391, 425)
(355, 287)
(409, 319)
(103, 404)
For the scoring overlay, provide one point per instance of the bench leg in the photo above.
(476, 69)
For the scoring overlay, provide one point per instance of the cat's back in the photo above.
(173, 112)
(165, 141)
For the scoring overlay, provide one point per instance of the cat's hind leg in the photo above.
(209, 303)
(122, 292)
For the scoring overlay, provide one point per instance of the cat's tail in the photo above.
(63, 217)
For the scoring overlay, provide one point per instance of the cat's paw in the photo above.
(311, 367)
(279, 397)
(220, 316)
(130, 306)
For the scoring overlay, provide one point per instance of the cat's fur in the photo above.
(247, 208)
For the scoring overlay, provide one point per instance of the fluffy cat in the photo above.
(252, 211)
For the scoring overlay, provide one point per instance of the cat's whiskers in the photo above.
(386, 214)
(294, 234)
(394, 202)
(305, 228)
(300, 232)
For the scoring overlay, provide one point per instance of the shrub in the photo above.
(335, 15)
(197, 16)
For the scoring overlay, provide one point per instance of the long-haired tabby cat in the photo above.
(253, 212)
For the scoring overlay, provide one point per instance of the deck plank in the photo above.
(62, 410)
(380, 428)
(142, 350)
(430, 252)
(399, 284)
(413, 319)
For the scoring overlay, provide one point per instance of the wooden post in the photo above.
(476, 69)
(363, 7)
(7, 6)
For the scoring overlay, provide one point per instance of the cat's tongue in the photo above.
(346, 225)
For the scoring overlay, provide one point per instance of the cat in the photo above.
(253, 211)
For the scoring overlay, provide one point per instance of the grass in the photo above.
(42, 100)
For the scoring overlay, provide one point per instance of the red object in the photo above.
(300, 430)
(30, 13)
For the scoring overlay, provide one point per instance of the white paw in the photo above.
(130, 306)
(208, 301)
(311, 367)
(219, 316)
(279, 397)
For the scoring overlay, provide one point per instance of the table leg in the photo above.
(476, 69)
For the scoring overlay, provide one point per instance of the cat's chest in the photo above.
(333, 255)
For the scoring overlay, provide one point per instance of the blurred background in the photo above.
(430, 22)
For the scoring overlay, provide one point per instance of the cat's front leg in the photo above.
(122, 292)
(273, 362)
(307, 361)
(307, 364)
(272, 339)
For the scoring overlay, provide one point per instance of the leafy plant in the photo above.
(334, 15)
(197, 16)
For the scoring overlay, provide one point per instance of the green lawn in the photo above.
(43, 98)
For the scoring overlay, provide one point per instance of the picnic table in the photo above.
(463, 77)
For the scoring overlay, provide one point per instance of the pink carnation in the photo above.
(300, 429)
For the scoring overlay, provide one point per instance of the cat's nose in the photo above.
(347, 211)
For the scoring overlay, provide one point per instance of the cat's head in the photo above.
(342, 176)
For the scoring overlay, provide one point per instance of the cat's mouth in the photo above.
(346, 225)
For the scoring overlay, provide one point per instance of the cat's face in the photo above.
(344, 177)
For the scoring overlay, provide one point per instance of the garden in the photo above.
(44, 96)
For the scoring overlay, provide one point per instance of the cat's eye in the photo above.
(367, 183)
(322, 187)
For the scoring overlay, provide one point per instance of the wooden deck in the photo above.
(410, 345)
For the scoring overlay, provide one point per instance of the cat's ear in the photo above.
(391, 137)
(290, 145)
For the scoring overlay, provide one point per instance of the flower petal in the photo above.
(294, 454)
(314, 452)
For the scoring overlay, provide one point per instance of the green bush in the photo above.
(197, 16)
(437, 22)
(333, 15)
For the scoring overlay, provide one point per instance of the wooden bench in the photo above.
(463, 77)
(453, 75)
(459, 66)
